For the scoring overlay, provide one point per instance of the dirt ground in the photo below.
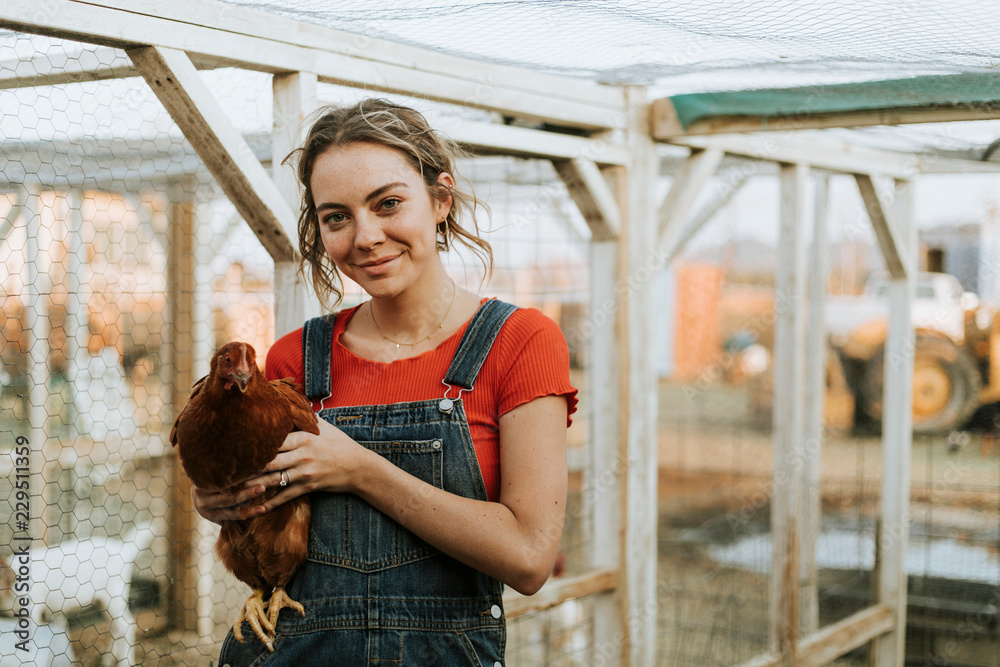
(716, 462)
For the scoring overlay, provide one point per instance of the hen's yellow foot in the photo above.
(253, 611)
(280, 600)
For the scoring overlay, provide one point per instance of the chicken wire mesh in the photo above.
(123, 268)
(715, 432)
(106, 174)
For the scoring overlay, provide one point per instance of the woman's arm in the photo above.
(514, 540)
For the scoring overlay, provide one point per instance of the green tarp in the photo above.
(977, 90)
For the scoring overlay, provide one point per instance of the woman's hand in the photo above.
(219, 506)
(307, 462)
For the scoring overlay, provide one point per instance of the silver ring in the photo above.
(284, 479)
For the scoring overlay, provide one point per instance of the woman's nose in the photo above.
(369, 232)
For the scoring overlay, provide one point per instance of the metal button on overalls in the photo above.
(373, 591)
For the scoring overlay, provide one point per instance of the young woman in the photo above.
(440, 469)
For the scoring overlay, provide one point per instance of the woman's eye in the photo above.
(334, 219)
(390, 204)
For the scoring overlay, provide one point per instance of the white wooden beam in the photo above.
(592, 195)
(886, 228)
(897, 437)
(502, 139)
(815, 394)
(294, 99)
(811, 149)
(238, 172)
(637, 385)
(61, 67)
(834, 640)
(557, 591)
(237, 36)
(603, 493)
(680, 240)
(36, 305)
(789, 404)
(10, 220)
(823, 152)
(697, 169)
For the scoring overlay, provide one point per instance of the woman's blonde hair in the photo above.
(380, 121)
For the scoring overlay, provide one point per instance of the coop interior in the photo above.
(732, 249)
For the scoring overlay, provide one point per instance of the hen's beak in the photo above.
(242, 380)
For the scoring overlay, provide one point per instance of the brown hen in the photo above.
(233, 425)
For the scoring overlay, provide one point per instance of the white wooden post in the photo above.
(897, 435)
(602, 497)
(815, 393)
(637, 266)
(789, 384)
(35, 303)
(294, 100)
(77, 300)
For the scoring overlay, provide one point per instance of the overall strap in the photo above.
(317, 345)
(476, 343)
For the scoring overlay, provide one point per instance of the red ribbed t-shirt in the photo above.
(529, 359)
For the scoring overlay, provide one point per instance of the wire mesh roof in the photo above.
(685, 47)
(701, 46)
(694, 46)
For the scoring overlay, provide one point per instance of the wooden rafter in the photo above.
(596, 201)
(678, 241)
(214, 33)
(228, 157)
(884, 223)
(697, 169)
(54, 69)
(822, 152)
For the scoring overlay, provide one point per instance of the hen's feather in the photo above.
(232, 427)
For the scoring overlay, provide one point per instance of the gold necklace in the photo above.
(440, 325)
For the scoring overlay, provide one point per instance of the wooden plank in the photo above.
(679, 241)
(637, 266)
(60, 67)
(189, 322)
(836, 639)
(592, 195)
(240, 175)
(897, 437)
(557, 591)
(497, 138)
(667, 126)
(220, 34)
(10, 220)
(77, 298)
(294, 99)
(697, 169)
(815, 394)
(822, 152)
(810, 148)
(36, 305)
(602, 496)
(885, 226)
(789, 385)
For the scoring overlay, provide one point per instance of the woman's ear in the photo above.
(445, 201)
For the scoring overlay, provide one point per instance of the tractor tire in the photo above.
(945, 385)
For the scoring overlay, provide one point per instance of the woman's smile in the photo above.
(379, 266)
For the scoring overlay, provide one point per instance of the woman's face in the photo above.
(377, 219)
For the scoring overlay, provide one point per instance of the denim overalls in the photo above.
(374, 593)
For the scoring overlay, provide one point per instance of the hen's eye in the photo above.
(228, 360)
